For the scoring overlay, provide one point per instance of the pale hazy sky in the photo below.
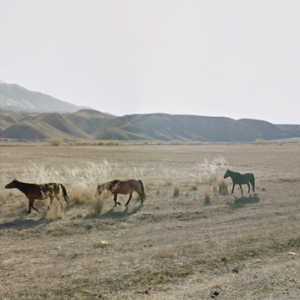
(239, 59)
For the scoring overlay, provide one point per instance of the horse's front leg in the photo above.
(233, 188)
(116, 200)
(29, 208)
(241, 189)
(129, 199)
(31, 202)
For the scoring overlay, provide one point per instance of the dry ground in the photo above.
(172, 247)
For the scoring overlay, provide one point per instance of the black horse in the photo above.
(238, 178)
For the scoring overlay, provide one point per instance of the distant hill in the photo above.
(191, 128)
(267, 130)
(89, 120)
(92, 124)
(32, 115)
(295, 129)
(18, 99)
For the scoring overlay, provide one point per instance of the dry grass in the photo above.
(176, 191)
(207, 197)
(223, 187)
(163, 249)
(55, 141)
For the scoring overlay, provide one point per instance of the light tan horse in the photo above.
(38, 191)
(123, 187)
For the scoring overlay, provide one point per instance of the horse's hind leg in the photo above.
(248, 187)
(141, 196)
(241, 189)
(58, 199)
(253, 184)
(51, 201)
(129, 199)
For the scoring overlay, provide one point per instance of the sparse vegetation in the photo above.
(194, 188)
(98, 205)
(223, 187)
(261, 142)
(207, 197)
(112, 143)
(55, 141)
(176, 191)
(176, 142)
(167, 248)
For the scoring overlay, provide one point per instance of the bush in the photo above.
(261, 142)
(55, 141)
(112, 143)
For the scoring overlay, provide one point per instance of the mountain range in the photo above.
(33, 115)
(13, 97)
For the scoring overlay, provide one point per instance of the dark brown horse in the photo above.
(238, 178)
(123, 187)
(38, 191)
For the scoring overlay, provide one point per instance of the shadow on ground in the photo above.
(113, 213)
(21, 223)
(242, 201)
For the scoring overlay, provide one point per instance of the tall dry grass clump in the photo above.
(210, 171)
(207, 196)
(81, 181)
(98, 203)
(261, 142)
(176, 191)
(54, 212)
(223, 187)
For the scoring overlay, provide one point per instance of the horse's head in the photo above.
(12, 184)
(227, 174)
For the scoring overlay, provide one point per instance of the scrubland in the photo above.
(189, 240)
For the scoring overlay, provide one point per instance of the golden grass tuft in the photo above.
(98, 204)
(207, 196)
(79, 196)
(54, 212)
(176, 191)
(223, 187)
(261, 142)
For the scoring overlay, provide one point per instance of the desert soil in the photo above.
(174, 246)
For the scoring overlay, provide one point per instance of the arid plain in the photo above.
(187, 241)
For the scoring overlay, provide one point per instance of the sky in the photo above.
(238, 59)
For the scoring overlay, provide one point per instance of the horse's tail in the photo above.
(64, 193)
(253, 182)
(142, 188)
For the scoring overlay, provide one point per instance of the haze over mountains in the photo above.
(33, 115)
(16, 98)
